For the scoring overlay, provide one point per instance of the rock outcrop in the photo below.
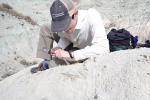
(122, 75)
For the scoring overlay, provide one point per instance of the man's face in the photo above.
(73, 23)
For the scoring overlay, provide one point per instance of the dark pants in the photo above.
(46, 39)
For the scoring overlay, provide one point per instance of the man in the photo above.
(80, 34)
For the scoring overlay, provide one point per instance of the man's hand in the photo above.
(60, 53)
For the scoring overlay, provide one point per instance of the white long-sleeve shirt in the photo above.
(89, 35)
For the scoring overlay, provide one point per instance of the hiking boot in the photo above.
(42, 66)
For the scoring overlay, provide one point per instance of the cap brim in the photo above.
(59, 26)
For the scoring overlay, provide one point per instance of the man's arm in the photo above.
(63, 43)
(99, 43)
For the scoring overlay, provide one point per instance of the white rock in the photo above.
(122, 75)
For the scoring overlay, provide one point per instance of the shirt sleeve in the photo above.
(63, 42)
(99, 43)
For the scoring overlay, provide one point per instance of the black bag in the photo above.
(121, 40)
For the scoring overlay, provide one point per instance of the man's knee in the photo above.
(45, 30)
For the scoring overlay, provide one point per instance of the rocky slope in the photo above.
(123, 75)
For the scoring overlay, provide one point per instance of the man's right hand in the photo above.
(52, 51)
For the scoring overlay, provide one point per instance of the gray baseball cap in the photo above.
(60, 15)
